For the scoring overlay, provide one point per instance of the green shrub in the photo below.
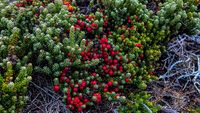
(13, 87)
(104, 51)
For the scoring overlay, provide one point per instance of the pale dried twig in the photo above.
(183, 61)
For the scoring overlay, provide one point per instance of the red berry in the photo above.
(94, 82)
(82, 24)
(117, 52)
(110, 61)
(120, 58)
(66, 69)
(84, 83)
(94, 26)
(67, 31)
(98, 97)
(136, 17)
(84, 58)
(67, 80)
(82, 53)
(63, 74)
(105, 55)
(106, 71)
(94, 74)
(88, 54)
(76, 99)
(77, 27)
(100, 55)
(121, 68)
(108, 46)
(115, 61)
(116, 89)
(111, 66)
(104, 67)
(94, 57)
(71, 85)
(20, 5)
(86, 16)
(106, 23)
(138, 45)
(75, 89)
(81, 87)
(105, 90)
(103, 46)
(80, 109)
(37, 14)
(110, 83)
(69, 99)
(129, 21)
(80, 103)
(106, 86)
(104, 40)
(79, 22)
(56, 88)
(68, 54)
(71, 102)
(111, 73)
(90, 18)
(62, 78)
(112, 53)
(127, 80)
(68, 93)
(132, 28)
(89, 29)
(141, 56)
(106, 60)
(86, 100)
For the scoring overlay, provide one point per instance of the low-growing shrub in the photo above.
(96, 72)
(92, 56)
(13, 87)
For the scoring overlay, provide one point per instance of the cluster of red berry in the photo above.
(20, 5)
(87, 86)
(88, 27)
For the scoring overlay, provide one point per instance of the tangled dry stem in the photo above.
(42, 99)
(180, 84)
(171, 97)
(105, 107)
(183, 61)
